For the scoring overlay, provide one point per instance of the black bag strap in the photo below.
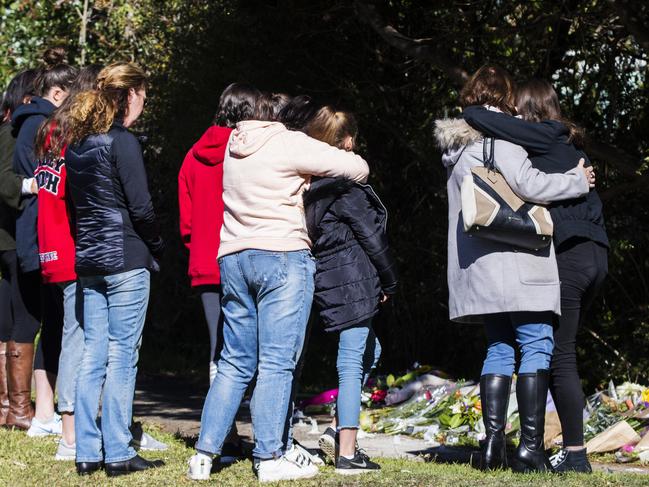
(489, 160)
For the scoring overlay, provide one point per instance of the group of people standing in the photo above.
(276, 213)
(78, 241)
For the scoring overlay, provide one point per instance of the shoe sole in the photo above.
(63, 458)
(328, 447)
(41, 435)
(355, 471)
(280, 478)
(189, 477)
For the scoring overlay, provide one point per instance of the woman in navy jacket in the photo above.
(118, 244)
(554, 146)
(355, 272)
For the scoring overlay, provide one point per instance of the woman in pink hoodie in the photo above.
(267, 278)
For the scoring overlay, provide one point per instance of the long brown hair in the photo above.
(50, 138)
(536, 100)
(332, 126)
(94, 111)
(489, 85)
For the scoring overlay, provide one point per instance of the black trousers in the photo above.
(25, 304)
(583, 266)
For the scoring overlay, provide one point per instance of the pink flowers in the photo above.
(378, 395)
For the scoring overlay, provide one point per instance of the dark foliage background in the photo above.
(398, 65)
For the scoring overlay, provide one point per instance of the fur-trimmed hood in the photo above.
(453, 135)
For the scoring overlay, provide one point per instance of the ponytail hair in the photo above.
(94, 111)
(332, 126)
(54, 73)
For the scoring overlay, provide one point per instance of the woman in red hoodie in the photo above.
(200, 188)
(56, 252)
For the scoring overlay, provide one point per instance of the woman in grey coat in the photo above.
(512, 291)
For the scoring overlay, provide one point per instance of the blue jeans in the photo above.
(531, 331)
(358, 353)
(71, 346)
(114, 312)
(266, 303)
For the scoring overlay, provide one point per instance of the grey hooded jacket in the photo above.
(484, 276)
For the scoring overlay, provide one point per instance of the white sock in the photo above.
(348, 457)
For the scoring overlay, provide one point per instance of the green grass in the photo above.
(30, 462)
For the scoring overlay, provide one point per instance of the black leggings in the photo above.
(21, 299)
(583, 265)
(29, 303)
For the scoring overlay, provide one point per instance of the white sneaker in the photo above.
(146, 442)
(65, 452)
(282, 468)
(52, 427)
(298, 451)
(200, 467)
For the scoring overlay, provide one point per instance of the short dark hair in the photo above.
(19, 87)
(489, 85)
(270, 105)
(298, 112)
(55, 72)
(237, 103)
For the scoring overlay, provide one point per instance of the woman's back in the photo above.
(265, 172)
(551, 151)
(485, 276)
(115, 222)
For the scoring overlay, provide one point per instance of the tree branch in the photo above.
(617, 158)
(630, 13)
(420, 49)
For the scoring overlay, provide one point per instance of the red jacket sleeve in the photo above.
(185, 200)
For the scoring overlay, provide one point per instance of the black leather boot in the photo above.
(494, 397)
(531, 393)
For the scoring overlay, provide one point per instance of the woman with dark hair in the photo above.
(13, 188)
(200, 189)
(56, 251)
(514, 292)
(44, 302)
(200, 199)
(267, 280)
(118, 244)
(554, 144)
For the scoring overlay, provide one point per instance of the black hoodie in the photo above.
(346, 222)
(26, 120)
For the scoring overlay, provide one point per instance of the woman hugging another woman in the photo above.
(355, 272)
(513, 292)
(267, 273)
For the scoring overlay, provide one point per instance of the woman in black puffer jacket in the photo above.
(355, 272)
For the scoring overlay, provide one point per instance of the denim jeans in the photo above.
(266, 303)
(358, 353)
(531, 331)
(114, 309)
(71, 346)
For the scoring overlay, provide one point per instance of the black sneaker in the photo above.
(328, 443)
(571, 461)
(361, 463)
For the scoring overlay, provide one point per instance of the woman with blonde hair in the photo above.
(118, 244)
(355, 272)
